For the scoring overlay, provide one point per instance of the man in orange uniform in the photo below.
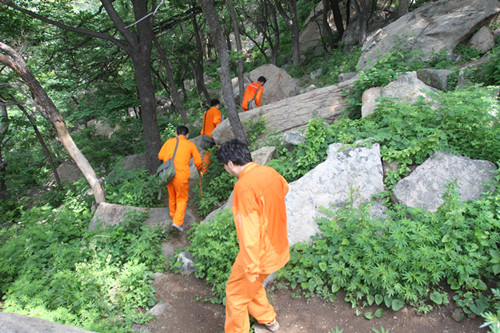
(260, 219)
(253, 89)
(211, 119)
(178, 188)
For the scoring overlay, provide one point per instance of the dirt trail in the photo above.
(187, 312)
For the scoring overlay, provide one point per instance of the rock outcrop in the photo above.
(425, 186)
(293, 113)
(436, 26)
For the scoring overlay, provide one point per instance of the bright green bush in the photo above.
(136, 187)
(215, 246)
(402, 258)
(52, 268)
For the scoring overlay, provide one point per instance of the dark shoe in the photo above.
(178, 227)
(273, 326)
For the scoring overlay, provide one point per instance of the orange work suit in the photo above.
(211, 119)
(250, 92)
(178, 188)
(260, 219)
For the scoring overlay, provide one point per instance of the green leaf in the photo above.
(368, 315)
(370, 299)
(379, 313)
(436, 298)
(387, 301)
(322, 266)
(378, 299)
(397, 304)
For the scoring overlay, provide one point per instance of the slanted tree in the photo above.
(292, 20)
(239, 49)
(4, 128)
(15, 62)
(225, 74)
(136, 40)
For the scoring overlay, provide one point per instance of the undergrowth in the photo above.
(53, 267)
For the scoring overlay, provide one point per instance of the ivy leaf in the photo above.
(379, 313)
(370, 299)
(436, 298)
(368, 315)
(378, 299)
(397, 304)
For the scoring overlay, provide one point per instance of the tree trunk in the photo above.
(19, 66)
(362, 9)
(337, 17)
(221, 47)
(326, 25)
(197, 65)
(239, 49)
(402, 8)
(138, 47)
(173, 89)
(293, 23)
(4, 128)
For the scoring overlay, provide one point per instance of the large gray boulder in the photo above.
(113, 214)
(293, 113)
(16, 323)
(346, 171)
(425, 186)
(279, 84)
(438, 25)
(407, 88)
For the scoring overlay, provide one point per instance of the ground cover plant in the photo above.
(54, 268)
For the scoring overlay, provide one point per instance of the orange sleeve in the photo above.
(198, 162)
(217, 119)
(166, 151)
(258, 97)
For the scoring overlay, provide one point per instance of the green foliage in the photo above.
(489, 74)
(135, 187)
(404, 257)
(254, 129)
(215, 246)
(50, 267)
(493, 318)
(217, 186)
(293, 165)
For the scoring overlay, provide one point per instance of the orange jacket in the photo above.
(250, 92)
(260, 218)
(185, 151)
(211, 119)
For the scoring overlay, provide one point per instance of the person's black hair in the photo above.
(261, 79)
(182, 130)
(235, 151)
(214, 102)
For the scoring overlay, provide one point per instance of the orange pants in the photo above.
(206, 161)
(178, 195)
(244, 297)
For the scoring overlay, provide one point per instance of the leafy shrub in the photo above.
(50, 267)
(215, 246)
(399, 259)
(136, 187)
(217, 186)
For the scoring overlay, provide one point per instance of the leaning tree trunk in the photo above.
(173, 89)
(221, 47)
(239, 49)
(4, 128)
(19, 66)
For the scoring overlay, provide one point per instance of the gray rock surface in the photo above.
(357, 169)
(407, 88)
(483, 40)
(16, 323)
(436, 78)
(437, 25)
(114, 214)
(425, 186)
(293, 113)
